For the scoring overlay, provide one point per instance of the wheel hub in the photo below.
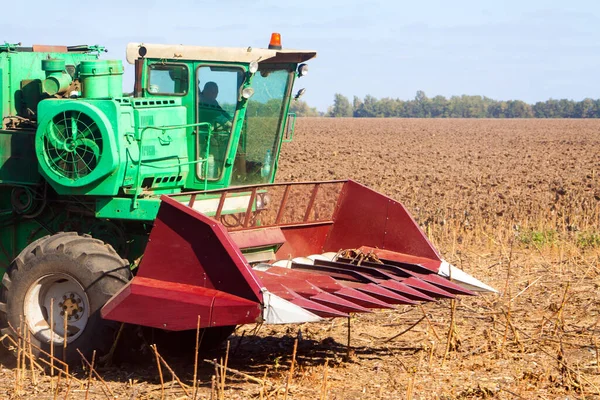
(72, 306)
(55, 302)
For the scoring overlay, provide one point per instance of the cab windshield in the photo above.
(255, 157)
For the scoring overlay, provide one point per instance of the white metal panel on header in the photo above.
(279, 311)
(465, 280)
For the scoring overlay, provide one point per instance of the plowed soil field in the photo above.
(515, 203)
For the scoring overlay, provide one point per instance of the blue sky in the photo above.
(530, 49)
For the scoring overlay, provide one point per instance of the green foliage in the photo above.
(341, 107)
(461, 107)
(302, 109)
(588, 240)
(541, 238)
(538, 238)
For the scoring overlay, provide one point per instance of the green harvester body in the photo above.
(79, 155)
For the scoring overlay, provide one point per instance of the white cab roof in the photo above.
(227, 54)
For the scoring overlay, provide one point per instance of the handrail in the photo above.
(257, 195)
(257, 185)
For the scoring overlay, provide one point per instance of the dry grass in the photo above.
(514, 203)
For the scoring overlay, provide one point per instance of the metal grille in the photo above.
(73, 144)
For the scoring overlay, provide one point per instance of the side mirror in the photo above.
(290, 126)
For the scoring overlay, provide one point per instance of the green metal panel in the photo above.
(157, 157)
(124, 208)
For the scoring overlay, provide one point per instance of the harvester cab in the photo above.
(178, 177)
(237, 102)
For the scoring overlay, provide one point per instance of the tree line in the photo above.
(455, 107)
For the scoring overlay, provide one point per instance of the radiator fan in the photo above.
(73, 144)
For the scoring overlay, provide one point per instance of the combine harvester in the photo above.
(179, 178)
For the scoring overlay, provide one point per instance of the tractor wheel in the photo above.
(80, 274)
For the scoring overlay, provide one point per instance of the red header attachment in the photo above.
(275, 43)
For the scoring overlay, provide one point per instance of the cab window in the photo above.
(167, 79)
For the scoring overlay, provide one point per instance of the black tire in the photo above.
(89, 265)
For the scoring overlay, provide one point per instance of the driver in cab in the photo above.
(209, 109)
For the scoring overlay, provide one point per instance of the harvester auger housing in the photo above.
(178, 177)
